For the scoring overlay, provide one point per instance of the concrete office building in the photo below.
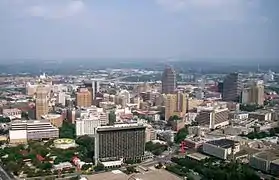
(83, 98)
(61, 98)
(266, 161)
(55, 119)
(274, 167)
(253, 94)
(41, 101)
(232, 88)
(213, 118)
(125, 95)
(87, 125)
(22, 131)
(93, 87)
(125, 141)
(175, 104)
(150, 133)
(168, 80)
(262, 115)
(12, 113)
(221, 148)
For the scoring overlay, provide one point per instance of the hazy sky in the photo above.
(53, 29)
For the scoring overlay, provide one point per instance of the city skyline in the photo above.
(144, 29)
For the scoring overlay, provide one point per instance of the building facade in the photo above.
(83, 98)
(120, 141)
(175, 104)
(232, 88)
(22, 131)
(253, 94)
(213, 118)
(41, 101)
(168, 81)
(221, 148)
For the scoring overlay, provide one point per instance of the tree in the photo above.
(156, 148)
(210, 170)
(67, 130)
(86, 141)
(112, 117)
(181, 135)
(130, 161)
(86, 147)
(45, 166)
(131, 169)
(99, 167)
(159, 166)
(86, 167)
(250, 107)
(174, 118)
(13, 167)
(4, 119)
(24, 115)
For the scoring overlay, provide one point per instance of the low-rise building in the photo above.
(213, 117)
(266, 161)
(261, 115)
(22, 131)
(221, 148)
(54, 119)
(13, 113)
(150, 133)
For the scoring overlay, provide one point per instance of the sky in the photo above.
(178, 29)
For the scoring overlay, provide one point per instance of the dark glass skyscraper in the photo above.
(168, 80)
(120, 141)
(232, 88)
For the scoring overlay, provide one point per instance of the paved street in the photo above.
(4, 175)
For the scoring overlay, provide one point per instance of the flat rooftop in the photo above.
(197, 156)
(120, 127)
(224, 143)
(114, 175)
(269, 155)
(160, 174)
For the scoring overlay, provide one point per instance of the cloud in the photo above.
(56, 11)
(226, 10)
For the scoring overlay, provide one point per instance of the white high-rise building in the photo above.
(125, 95)
(87, 126)
(62, 98)
(90, 119)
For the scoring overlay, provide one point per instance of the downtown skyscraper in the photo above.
(232, 87)
(168, 81)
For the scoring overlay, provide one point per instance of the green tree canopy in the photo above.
(181, 135)
(112, 117)
(67, 130)
(250, 107)
(155, 148)
(99, 167)
(4, 119)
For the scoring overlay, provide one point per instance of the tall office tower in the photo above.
(175, 104)
(220, 87)
(41, 101)
(168, 81)
(125, 141)
(232, 88)
(253, 94)
(93, 87)
(83, 98)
